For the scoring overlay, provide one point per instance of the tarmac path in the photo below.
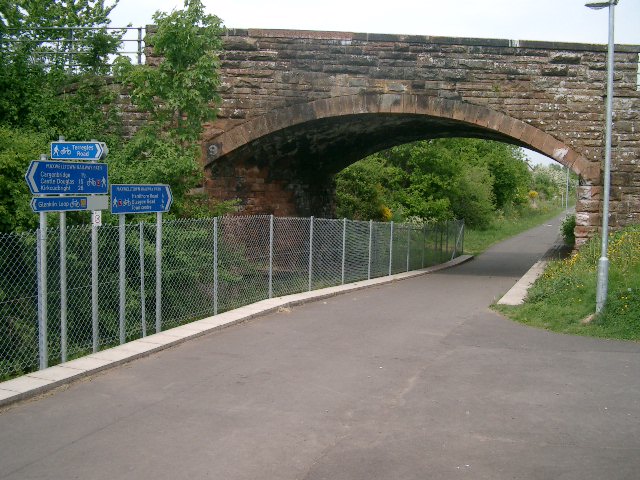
(417, 379)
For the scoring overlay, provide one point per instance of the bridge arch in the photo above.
(282, 162)
(442, 118)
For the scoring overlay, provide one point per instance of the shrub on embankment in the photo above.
(565, 294)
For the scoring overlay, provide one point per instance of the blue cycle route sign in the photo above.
(69, 203)
(78, 150)
(67, 178)
(140, 198)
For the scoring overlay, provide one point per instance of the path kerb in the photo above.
(517, 293)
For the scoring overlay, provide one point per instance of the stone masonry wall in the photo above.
(555, 87)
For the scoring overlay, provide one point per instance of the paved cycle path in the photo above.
(417, 379)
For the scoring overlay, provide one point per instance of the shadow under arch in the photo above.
(357, 125)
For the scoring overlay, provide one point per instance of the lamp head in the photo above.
(599, 5)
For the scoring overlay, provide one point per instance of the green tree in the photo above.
(437, 180)
(40, 93)
(179, 95)
(363, 190)
(36, 55)
(446, 179)
(17, 149)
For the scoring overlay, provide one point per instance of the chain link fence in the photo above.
(199, 268)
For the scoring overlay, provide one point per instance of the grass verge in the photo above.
(507, 225)
(565, 294)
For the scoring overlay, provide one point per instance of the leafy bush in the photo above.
(17, 149)
(568, 230)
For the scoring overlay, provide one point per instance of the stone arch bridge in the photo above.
(298, 106)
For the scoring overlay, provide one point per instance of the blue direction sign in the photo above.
(140, 198)
(69, 204)
(68, 178)
(78, 150)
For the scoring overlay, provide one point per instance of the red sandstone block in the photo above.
(483, 117)
(390, 102)
(591, 206)
(517, 129)
(409, 103)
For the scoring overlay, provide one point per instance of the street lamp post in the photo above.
(603, 262)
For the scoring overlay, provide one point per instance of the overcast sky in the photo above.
(553, 20)
(560, 20)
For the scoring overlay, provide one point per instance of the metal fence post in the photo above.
(271, 256)
(42, 293)
(139, 45)
(70, 51)
(344, 245)
(143, 307)
(310, 253)
(122, 276)
(63, 287)
(215, 266)
(446, 251)
(158, 272)
(370, 239)
(94, 289)
(391, 249)
(424, 242)
(459, 239)
(408, 245)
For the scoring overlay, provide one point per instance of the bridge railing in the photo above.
(75, 48)
(208, 266)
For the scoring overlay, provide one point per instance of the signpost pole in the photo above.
(143, 309)
(144, 199)
(63, 286)
(158, 272)
(121, 282)
(42, 292)
(94, 287)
